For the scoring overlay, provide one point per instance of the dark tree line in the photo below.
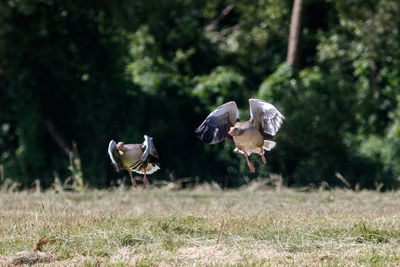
(85, 72)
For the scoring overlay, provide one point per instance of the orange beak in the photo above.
(120, 146)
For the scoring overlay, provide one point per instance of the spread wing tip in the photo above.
(150, 151)
(266, 114)
(210, 135)
(114, 155)
(215, 127)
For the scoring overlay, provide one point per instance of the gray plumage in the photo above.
(267, 118)
(216, 126)
(264, 117)
(115, 156)
(140, 158)
(252, 136)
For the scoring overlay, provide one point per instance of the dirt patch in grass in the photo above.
(28, 258)
(31, 257)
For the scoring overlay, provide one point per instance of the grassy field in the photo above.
(164, 227)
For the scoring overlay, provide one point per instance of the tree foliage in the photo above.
(91, 71)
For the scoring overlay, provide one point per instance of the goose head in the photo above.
(234, 131)
(121, 146)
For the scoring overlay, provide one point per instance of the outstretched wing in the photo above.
(149, 159)
(216, 126)
(266, 117)
(114, 155)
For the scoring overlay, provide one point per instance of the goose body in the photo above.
(252, 136)
(140, 158)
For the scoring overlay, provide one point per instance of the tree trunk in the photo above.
(293, 55)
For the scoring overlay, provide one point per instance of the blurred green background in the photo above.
(85, 72)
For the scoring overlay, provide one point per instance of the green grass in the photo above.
(161, 227)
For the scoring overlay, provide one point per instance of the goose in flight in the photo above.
(252, 136)
(140, 158)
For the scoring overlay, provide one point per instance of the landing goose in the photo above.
(140, 158)
(252, 136)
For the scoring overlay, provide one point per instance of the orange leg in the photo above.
(132, 180)
(249, 163)
(145, 181)
(262, 155)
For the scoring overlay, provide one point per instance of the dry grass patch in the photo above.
(210, 255)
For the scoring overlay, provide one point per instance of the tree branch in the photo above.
(57, 137)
